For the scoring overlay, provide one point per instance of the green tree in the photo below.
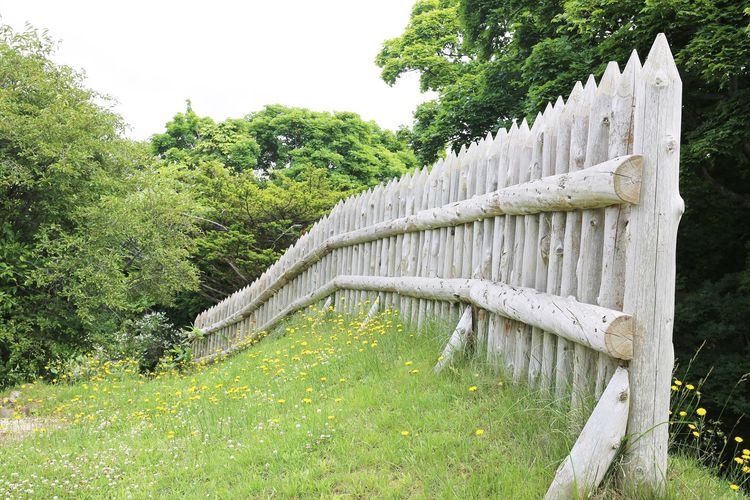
(432, 45)
(191, 139)
(520, 55)
(90, 232)
(354, 153)
(264, 180)
(246, 225)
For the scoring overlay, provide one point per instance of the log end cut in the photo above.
(628, 179)
(618, 337)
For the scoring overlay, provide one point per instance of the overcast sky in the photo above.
(228, 57)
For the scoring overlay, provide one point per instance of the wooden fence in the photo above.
(561, 236)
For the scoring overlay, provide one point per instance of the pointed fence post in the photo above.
(649, 289)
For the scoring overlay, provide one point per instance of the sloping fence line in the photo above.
(561, 236)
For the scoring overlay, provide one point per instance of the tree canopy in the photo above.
(91, 232)
(264, 179)
(283, 141)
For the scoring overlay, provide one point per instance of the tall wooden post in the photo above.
(649, 290)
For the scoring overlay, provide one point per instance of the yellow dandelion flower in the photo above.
(414, 371)
(739, 460)
(409, 363)
(734, 487)
(307, 401)
(674, 387)
(677, 382)
(331, 417)
(473, 388)
(690, 387)
(479, 432)
(696, 433)
(738, 439)
(701, 412)
(683, 413)
(746, 469)
(745, 451)
(281, 401)
(404, 433)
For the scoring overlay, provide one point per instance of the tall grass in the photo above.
(321, 407)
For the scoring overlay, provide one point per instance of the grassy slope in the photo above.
(325, 409)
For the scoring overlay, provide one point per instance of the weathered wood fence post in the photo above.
(650, 284)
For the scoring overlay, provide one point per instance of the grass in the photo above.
(318, 408)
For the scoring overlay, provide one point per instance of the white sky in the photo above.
(228, 57)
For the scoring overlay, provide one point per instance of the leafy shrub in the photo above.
(148, 339)
(149, 344)
(176, 359)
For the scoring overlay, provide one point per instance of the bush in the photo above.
(149, 339)
(176, 359)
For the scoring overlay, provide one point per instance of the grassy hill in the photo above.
(321, 407)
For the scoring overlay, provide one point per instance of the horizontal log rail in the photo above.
(601, 329)
(613, 182)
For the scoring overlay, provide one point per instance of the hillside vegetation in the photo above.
(106, 243)
(322, 406)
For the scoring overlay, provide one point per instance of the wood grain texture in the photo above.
(650, 282)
